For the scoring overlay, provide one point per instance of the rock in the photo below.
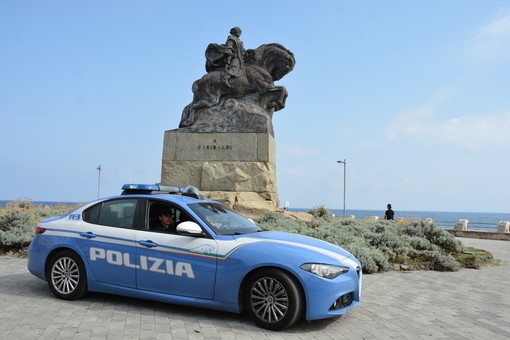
(250, 204)
(302, 216)
(372, 218)
(238, 176)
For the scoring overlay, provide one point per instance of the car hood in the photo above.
(300, 241)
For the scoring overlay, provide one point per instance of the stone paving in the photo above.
(469, 304)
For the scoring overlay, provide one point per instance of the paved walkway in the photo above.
(469, 304)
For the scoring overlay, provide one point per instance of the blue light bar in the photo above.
(160, 189)
(148, 187)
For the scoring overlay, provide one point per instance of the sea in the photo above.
(444, 219)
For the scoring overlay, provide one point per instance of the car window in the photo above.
(156, 208)
(91, 215)
(223, 220)
(115, 213)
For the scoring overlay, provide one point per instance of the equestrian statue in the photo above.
(238, 93)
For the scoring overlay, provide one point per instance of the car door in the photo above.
(107, 238)
(176, 264)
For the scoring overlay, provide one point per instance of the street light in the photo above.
(98, 180)
(344, 162)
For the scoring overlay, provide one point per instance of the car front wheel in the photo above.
(273, 299)
(66, 275)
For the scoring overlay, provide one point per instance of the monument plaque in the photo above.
(225, 141)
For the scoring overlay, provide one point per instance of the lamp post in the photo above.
(344, 162)
(98, 180)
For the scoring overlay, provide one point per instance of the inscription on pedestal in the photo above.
(214, 146)
(246, 147)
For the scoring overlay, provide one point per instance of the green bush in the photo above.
(379, 245)
(16, 228)
(437, 261)
(18, 220)
(420, 243)
(434, 235)
(321, 211)
(274, 221)
(372, 259)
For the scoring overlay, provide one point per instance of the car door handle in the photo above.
(88, 234)
(148, 244)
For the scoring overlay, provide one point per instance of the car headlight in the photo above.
(327, 271)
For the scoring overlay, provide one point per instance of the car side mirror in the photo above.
(190, 228)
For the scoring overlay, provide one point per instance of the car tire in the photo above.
(66, 275)
(273, 299)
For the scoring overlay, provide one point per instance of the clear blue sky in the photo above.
(414, 94)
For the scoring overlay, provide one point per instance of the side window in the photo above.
(116, 213)
(165, 217)
(91, 215)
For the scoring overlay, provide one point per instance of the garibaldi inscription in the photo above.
(225, 141)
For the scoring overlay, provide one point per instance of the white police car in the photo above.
(211, 257)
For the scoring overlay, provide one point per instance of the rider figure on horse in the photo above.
(229, 57)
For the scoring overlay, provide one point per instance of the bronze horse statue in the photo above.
(253, 88)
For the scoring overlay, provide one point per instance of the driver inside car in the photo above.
(166, 221)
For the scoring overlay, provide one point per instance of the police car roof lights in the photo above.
(140, 187)
(159, 189)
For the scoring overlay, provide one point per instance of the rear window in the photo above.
(116, 213)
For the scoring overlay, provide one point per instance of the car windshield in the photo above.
(223, 220)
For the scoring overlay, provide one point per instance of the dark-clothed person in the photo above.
(389, 214)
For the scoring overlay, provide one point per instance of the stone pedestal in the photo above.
(238, 169)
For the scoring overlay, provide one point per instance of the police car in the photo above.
(210, 257)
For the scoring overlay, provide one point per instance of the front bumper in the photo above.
(327, 298)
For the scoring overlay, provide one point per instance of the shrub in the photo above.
(420, 243)
(383, 235)
(321, 211)
(16, 228)
(437, 261)
(378, 245)
(372, 260)
(399, 255)
(18, 220)
(434, 235)
(274, 221)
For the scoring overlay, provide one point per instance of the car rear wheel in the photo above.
(273, 299)
(66, 275)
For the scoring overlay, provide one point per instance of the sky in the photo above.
(414, 95)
